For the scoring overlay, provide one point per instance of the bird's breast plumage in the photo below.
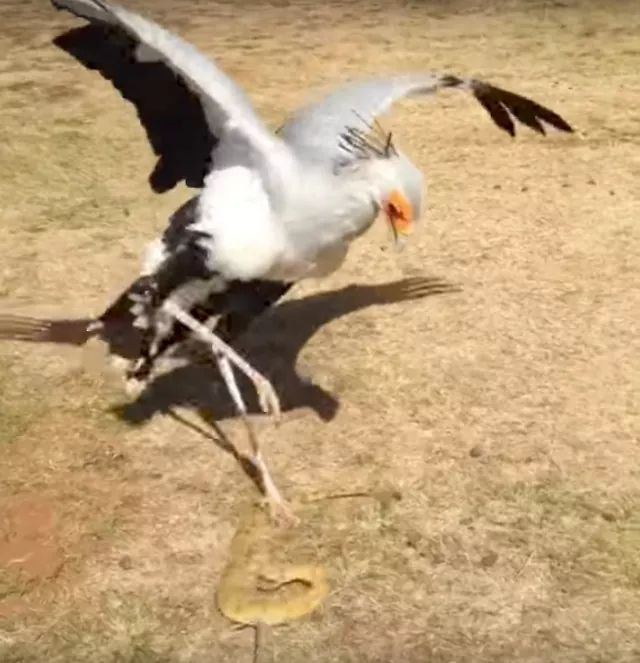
(323, 215)
(235, 215)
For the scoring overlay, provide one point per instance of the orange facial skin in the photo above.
(400, 214)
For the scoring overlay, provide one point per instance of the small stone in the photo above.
(413, 539)
(488, 560)
(437, 557)
(387, 497)
(476, 451)
(125, 563)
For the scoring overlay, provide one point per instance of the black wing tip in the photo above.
(499, 102)
(563, 125)
(510, 129)
(557, 123)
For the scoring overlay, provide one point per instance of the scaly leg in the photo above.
(269, 402)
(279, 510)
(267, 396)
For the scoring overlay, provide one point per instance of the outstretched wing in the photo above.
(317, 131)
(184, 101)
(169, 111)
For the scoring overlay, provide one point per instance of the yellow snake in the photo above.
(257, 588)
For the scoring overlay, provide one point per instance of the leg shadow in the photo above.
(272, 345)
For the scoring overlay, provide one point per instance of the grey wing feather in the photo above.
(315, 131)
(226, 107)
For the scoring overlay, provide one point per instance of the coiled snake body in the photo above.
(257, 589)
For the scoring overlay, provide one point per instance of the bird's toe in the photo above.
(282, 514)
(134, 386)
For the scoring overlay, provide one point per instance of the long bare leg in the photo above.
(279, 509)
(225, 355)
(267, 396)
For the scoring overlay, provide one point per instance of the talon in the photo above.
(134, 387)
(269, 401)
(282, 514)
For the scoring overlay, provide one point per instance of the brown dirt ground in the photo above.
(506, 415)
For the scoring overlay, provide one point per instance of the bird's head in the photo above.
(402, 197)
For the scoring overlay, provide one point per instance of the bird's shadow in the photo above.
(272, 345)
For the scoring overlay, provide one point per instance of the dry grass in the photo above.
(506, 415)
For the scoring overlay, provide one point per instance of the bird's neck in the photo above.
(342, 210)
(320, 226)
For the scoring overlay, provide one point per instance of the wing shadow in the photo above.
(272, 345)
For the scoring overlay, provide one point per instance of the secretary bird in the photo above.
(273, 207)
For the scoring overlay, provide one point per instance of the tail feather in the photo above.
(45, 330)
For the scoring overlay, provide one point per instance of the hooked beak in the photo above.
(400, 226)
(400, 216)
